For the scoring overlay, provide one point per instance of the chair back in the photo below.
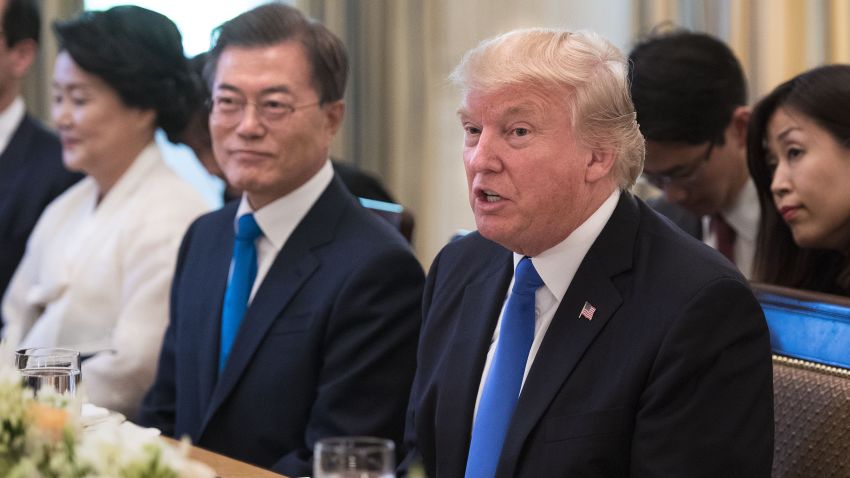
(395, 214)
(810, 338)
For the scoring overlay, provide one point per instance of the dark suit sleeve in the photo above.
(410, 451)
(369, 356)
(159, 405)
(707, 409)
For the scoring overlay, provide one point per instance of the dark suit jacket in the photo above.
(31, 176)
(671, 377)
(327, 346)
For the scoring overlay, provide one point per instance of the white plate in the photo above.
(92, 416)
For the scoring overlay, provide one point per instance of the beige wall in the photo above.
(36, 85)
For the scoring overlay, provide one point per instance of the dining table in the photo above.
(223, 466)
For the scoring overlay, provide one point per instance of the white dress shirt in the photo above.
(743, 216)
(96, 277)
(279, 218)
(556, 266)
(10, 119)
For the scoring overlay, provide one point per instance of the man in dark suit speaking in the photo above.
(294, 312)
(31, 169)
(577, 333)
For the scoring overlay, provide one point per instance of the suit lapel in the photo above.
(290, 270)
(479, 315)
(208, 319)
(569, 335)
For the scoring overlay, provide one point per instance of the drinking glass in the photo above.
(49, 367)
(354, 457)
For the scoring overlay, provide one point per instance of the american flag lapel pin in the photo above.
(587, 311)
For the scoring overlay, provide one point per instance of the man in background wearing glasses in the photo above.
(690, 95)
(294, 311)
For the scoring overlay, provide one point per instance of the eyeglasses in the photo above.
(229, 110)
(681, 175)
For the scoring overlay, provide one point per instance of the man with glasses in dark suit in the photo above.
(691, 100)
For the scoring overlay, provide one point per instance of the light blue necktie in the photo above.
(503, 383)
(242, 274)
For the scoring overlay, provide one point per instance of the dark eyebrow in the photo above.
(276, 89)
(788, 131)
(265, 91)
(225, 86)
(71, 87)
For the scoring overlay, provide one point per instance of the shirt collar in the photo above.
(558, 265)
(10, 118)
(743, 214)
(279, 218)
(136, 176)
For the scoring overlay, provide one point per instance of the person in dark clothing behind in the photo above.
(31, 169)
(690, 96)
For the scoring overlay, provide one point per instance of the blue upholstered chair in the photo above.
(395, 214)
(810, 337)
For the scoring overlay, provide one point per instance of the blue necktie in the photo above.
(242, 274)
(502, 386)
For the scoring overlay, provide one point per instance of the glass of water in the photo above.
(354, 457)
(50, 367)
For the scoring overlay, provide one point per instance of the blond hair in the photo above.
(589, 69)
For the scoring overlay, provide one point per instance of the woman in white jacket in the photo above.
(98, 266)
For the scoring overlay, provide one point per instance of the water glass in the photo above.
(49, 367)
(354, 457)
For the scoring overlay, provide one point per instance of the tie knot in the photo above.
(526, 278)
(718, 223)
(247, 228)
(724, 235)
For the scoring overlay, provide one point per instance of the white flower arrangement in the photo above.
(42, 437)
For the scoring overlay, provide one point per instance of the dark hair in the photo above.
(822, 95)
(274, 23)
(198, 64)
(685, 87)
(21, 21)
(139, 53)
(198, 124)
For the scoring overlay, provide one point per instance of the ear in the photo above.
(737, 129)
(146, 119)
(334, 113)
(599, 165)
(22, 56)
(149, 115)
